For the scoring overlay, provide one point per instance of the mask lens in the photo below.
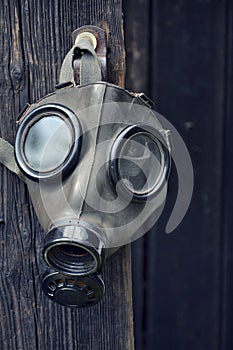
(140, 163)
(48, 143)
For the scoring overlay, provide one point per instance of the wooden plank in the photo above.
(227, 220)
(184, 305)
(34, 38)
(184, 268)
(137, 27)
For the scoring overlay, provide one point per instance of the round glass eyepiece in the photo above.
(139, 162)
(48, 142)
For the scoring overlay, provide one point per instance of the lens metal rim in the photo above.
(31, 118)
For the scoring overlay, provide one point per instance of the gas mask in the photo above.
(96, 162)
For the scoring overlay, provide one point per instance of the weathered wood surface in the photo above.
(34, 38)
(180, 52)
(137, 26)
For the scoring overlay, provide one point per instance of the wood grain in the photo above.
(137, 17)
(182, 57)
(34, 38)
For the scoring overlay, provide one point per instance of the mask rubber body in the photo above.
(85, 213)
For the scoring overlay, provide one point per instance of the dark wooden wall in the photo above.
(34, 38)
(180, 53)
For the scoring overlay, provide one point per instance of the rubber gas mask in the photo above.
(96, 161)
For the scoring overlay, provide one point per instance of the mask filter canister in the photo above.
(73, 291)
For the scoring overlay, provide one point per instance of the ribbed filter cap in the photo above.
(73, 291)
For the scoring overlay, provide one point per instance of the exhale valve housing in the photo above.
(96, 162)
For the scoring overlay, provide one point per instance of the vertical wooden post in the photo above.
(34, 38)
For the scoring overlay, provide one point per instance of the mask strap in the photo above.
(81, 64)
(90, 71)
(7, 158)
